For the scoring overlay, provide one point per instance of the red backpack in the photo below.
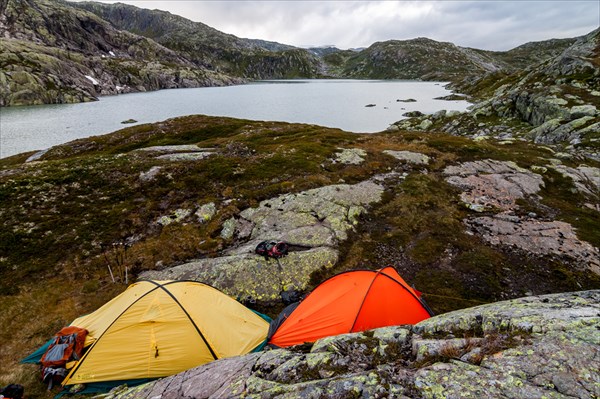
(67, 346)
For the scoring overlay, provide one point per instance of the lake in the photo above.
(331, 103)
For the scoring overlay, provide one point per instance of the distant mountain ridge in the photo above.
(57, 52)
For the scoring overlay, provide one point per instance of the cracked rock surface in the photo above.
(534, 347)
(491, 185)
(314, 220)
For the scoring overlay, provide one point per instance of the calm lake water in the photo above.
(332, 103)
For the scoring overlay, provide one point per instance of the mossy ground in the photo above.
(65, 218)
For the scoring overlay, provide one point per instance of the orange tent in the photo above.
(353, 301)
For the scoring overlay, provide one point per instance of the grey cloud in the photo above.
(492, 25)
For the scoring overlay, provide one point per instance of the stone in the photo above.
(316, 220)
(409, 157)
(493, 184)
(185, 156)
(532, 347)
(579, 111)
(350, 156)
(585, 178)
(186, 148)
(150, 175)
(206, 212)
(175, 217)
(538, 238)
(228, 229)
(425, 124)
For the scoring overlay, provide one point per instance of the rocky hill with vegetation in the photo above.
(554, 102)
(467, 222)
(206, 46)
(60, 52)
(54, 53)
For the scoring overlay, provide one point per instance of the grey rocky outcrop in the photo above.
(585, 178)
(313, 221)
(534, 347)
(537, 237)
(495, 186)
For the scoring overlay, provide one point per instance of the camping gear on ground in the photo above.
(12, 391)
(65, 347)
(352, 301)
(272, 249)
(160, 328)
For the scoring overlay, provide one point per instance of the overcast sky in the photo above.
(483, 24)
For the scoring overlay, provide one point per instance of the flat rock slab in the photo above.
(493, 184)
(537, 237)
(534, 347)
(585, 178)
(174, 148)
(185, 156)
(414, 158)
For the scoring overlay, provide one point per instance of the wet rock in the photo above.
(409, 157)
(533, 347)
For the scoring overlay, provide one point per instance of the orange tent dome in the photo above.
(353, 301)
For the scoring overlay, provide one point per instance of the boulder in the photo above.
(315, 221)
(534, 347)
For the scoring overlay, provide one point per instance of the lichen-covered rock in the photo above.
(350, 156)
(236, 275)
(175, 217)
(409, 156)
(534, 347)
(314, 221)
(206, 212)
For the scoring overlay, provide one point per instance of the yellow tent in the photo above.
(160, 328)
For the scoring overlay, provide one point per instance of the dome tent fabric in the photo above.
(352, 301)
(160, 328)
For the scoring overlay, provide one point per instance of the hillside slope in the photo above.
(554, 102)
(466, 222)
(54, 53)
(209, 47)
